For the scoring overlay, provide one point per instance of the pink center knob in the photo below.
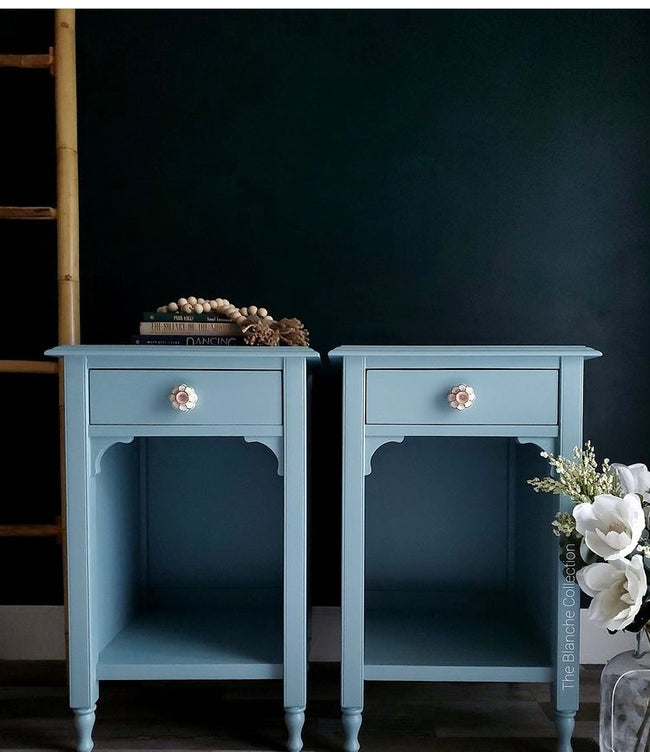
(183, 398)
(461, 397)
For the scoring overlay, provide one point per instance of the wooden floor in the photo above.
(177, 716)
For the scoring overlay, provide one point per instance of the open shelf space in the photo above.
(452, 590)
(440, 643)
(190, 562)
(204, 636)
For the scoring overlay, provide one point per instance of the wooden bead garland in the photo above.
(258, 327)
(219, 306)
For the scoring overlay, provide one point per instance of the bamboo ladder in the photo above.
(61, 62)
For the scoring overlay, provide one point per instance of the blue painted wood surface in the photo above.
(122, 396)
(187, 549)
(450, 570)
(502, 396)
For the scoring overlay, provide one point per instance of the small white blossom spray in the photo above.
(579, 479)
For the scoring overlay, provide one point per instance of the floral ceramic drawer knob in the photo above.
(461, 397)
(183, 397)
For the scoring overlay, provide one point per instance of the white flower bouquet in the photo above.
(610, 524)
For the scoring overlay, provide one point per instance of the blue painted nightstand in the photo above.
(450, 568)
(179, 567)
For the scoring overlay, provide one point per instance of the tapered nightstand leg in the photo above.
(294, 719)
(351, 724)
(84, 720)
(564, 722)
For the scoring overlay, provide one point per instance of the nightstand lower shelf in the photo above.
(201, 635)
(448, 644)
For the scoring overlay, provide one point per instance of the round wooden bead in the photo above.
(172, 307)
(198, 308)
(186, 308)
(252, 310)
(244, 311)
(182, 302)
(192, 300)
(262, 312)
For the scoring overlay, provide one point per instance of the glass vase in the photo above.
(625, 700)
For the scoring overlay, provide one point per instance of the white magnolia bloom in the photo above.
(611, 526)
(634, 479)
(617, 590)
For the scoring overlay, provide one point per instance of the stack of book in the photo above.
(187, 329)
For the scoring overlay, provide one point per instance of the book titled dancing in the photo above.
(214, 340)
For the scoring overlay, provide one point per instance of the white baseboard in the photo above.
(597, 645)
(32, 633)
(36, 633)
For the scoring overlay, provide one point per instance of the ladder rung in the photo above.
(26, 61)
(26, 531)
(28, 366)
(27, 212)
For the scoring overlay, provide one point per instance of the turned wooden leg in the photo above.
(294, 719)
(564, 722)
(351, 724)
(84, 720)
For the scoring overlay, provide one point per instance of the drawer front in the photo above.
(503, 396)
(141, 397)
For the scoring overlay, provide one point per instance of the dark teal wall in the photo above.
(426, 177)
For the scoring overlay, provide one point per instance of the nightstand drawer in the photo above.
(502, 396)
(141, 397)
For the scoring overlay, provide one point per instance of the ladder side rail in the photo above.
(65, 94)
(65, 97)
